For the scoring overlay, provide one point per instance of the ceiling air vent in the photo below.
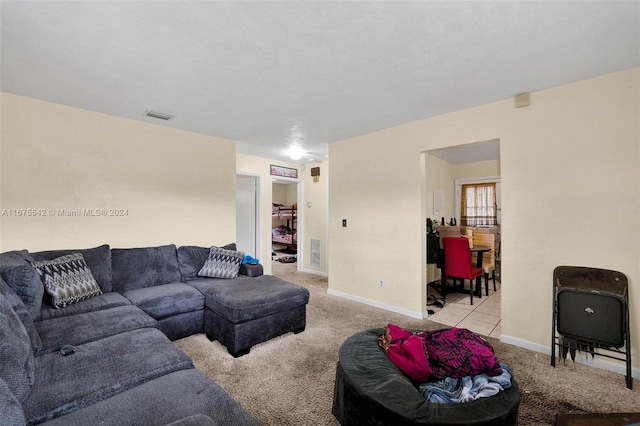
(158, 115)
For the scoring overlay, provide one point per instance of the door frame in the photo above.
(300, 215)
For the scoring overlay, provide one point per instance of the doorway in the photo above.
(445, 170)
(286, 225)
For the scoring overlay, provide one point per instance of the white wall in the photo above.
(570, 194)
(173, 186)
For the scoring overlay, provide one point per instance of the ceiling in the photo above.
(308, 73)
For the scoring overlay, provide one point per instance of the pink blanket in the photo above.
(435, 355)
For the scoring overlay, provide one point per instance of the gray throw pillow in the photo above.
(67, 279)
(191, 259)
(222, 263)
(98, 259)
(17, 366)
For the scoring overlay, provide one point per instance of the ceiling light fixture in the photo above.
(158, 115)
(295, 152)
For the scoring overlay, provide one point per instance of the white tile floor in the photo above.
(483, 317)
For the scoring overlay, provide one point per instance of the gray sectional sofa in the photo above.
(98, 348)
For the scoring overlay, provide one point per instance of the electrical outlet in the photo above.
(381, 283)
(344, 223)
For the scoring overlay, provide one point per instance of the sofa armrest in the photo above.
(251, 270)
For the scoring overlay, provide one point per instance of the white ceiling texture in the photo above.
(271, 74)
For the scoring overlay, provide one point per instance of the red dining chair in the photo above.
(457, 263)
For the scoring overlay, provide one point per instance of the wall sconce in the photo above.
(315, 173)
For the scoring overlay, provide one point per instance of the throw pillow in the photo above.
(98, 259)
(67, 279)
(191, 259)
(222, 263)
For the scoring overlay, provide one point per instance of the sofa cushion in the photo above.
(136, 268)
(246, 298)
(11, 411)
(167, 399)
(165, 300)
(67, 279)
(25, 317)
(98, 259)
(91, 326)
(16, 355)
(99, 370)
(221, 263)
(103, 301)
(16, 270)
(182, 325)
(192, 258)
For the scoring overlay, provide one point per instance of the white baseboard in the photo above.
(375, 303)
(314, 271)
(581, 358)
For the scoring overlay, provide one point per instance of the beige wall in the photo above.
(312, 220)
(439, 175)
(476, 170)
(570, 196)
(175, 186)
(315, 215)
(284, 194)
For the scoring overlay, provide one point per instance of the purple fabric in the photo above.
(458, 352)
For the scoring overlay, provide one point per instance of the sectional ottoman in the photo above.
(121, 367)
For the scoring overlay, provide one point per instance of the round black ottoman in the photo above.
(371, 390)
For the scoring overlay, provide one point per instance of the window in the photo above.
(478, 205)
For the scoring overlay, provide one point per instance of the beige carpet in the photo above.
(289, 380)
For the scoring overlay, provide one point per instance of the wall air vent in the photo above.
(158, 115)
(314, 251)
